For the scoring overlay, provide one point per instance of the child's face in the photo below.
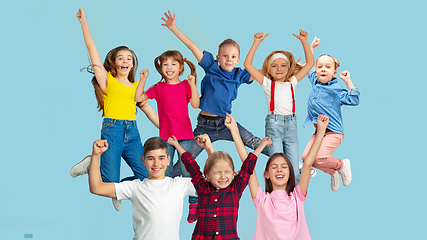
(221, 174)
(228, 57)
(156, 162)
(325, 69)
(123, 62)
(171, 69)
(278, 69)
(278, 173)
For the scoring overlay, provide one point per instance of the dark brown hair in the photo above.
(155, 143)
(290, 185)
(176, 56)
(293, 67)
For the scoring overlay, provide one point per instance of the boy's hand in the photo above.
(315, 43)
(302, 35)
(143, 74)
(170, 20)
(81, 16)
(191, 79)
(322, 122)
(204, 141)
(345, 76)
(230, 122)
(172, 141)
(299, 62)
(99, 146)
(266, 141)
(259, 37)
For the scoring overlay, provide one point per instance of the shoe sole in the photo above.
(77, 165)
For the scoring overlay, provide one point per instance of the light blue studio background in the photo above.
(49, 118)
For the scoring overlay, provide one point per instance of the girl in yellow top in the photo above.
(115, 87)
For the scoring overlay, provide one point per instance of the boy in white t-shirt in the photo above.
(156, 201)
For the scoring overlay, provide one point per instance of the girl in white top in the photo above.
(280, 74)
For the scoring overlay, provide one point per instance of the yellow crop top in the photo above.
(119, 100)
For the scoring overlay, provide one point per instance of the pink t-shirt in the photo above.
(172, 106)
(280, 216)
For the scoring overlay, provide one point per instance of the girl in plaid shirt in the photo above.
(219, 191)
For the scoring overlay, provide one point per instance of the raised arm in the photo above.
(314, 44)
(345, 76)
(257, 75)
(96, 185)
(322, 123)
(170, 24)
(149, 112)
(100, 73)
(140, 95)
(308, 55)
(195, 99)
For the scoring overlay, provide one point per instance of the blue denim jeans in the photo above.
(123, 141)
(283, 132)
(186, 144)
(218, 131)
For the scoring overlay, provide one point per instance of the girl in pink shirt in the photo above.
(172, 96)
(280, 208)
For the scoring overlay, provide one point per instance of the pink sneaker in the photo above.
(192, 213)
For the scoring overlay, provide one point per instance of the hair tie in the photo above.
(185, 59)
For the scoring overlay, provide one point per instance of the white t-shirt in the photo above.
(156, 205)
(282, 95)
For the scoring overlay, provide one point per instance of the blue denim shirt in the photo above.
(327, 98)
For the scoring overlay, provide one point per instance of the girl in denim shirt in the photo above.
(326, 97)
(279, 77)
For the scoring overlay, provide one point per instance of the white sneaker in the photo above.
(345, 172)
(81, 167)
(117, 204)
(335, 181)
(313, 172)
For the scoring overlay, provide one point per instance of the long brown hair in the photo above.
(290, 185)
(110, 67)
(293, 67)
(176, 56)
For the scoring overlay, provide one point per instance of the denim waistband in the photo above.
(214, 123)
(117, 121)
(279, 117)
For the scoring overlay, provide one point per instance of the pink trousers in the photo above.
(324, 161)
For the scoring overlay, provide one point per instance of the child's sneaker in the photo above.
(313, 172)
(117, 204)
(345, 172)
(335, 181)
(81, 167)
(192, 213)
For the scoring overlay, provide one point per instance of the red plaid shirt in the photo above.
(217, 208)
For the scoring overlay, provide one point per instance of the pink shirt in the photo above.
(172, 106)
(280, 216)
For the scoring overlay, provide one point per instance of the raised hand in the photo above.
(266, 141)
(191, 79)
(322, 122)
(230, 122)
(172, 141)
(315, 43)
(259, 37)
(99, 146)
(81, 15)
(345, 76)
(170, 20)
(302, 35)
(143, 74)
(204, 141)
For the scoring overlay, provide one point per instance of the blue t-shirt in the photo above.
(327, 98)
(219, 87)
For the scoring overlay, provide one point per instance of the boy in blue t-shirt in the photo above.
(218, 89)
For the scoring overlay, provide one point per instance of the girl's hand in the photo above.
(302, 35)
(191, 79)
(143, 74)
(172, 141)
(345, 76)
(266, 141)
(322, 122)
(315, 43)
(81, 16)
(170, 20)
(259, 37)
(299, 62)
(230, 122)
(99, 146)
(204, 141)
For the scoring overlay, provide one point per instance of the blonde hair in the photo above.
(337, 63)
(214, 158)
(175, 56)
(293, 67)
(229, 42)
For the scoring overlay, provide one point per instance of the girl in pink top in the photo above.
(280, 208)
(172, 96)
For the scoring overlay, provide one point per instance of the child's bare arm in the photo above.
(174, 142)
(140, 95)
(322, 123)
(170, 24)
(257, 75)
(101, 74)
(345, 76)
(96, 185)
(195, 99)
(308, 55)
(149, 112)
(314, 44)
